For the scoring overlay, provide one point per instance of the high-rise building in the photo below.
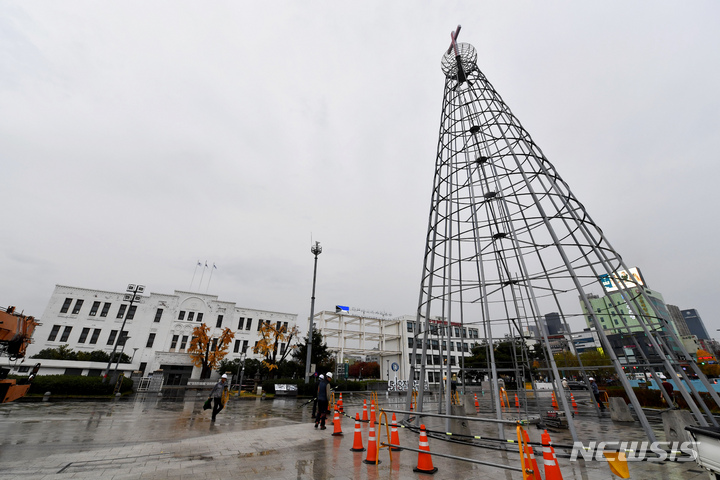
(677, 318)
(616, 316)
(554, 324)
(695, 323)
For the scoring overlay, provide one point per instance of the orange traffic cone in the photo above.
(552, 469)
(502, 401)
(531, 457)
(394, 435)
(554, 402)
(372, 413)
(372, 447)
(477, 404)
(357, 441)
(340, 404)
(517, 401)
(365, 417)
(336, 422)
(572, 398)
(424, 459)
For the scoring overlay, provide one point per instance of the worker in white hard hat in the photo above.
(323, 396)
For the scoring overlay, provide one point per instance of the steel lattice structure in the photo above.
(508, 241)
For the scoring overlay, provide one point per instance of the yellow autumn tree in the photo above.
(271, 338)
(205, 351)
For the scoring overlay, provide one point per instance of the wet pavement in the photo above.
(147, 437)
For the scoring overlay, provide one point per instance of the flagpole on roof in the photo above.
(201, 276)
(210, 279)
(193, 279)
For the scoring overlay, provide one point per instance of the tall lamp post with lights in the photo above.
(315, 250)
(133, 296)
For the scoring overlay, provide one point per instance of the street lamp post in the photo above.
(132, 297)
(122, 350)
(315, 250)
(241, 373)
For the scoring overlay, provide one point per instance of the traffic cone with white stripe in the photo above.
(357, 440)
(552, 469)
(554, 402)
(337, 431)
(572, 399)
(372, 447)
(394, 435)
(372, 413)
(517, 401)
(477, 404)
(425, 464)
(531, 462)
(340, 404)
(365, 417)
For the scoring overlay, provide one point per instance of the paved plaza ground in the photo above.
(147, 437)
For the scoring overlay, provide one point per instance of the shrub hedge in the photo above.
(75, 385)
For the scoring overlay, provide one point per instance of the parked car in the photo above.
(573, 385)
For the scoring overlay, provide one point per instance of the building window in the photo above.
(105, 310)
(457, 332)
(435, 344)
(66, 305)
(158, 315)
(452, 360)
(248, 324)
(95, 336)
(83, 335)
(429, 359)
(191, 315)
(436, 359)
(285, 325)
(277, 325)
(183, 343)
(260, 324)
(123, 337)
(66, 334)
(94, 309)
(121, 311)
(218, 324)
(151, 340)
(244, 347)
(78, 305)
(131, 312)
(282, 349)
(174, 341)
(236, 349)
(181, 316)
(410, 342)
(411, 327)
(465, 347)
(111, 338)
(200, 317)
(214, 344)
(241, 323)
(54, 333)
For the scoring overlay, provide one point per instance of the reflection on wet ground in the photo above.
(154, 437)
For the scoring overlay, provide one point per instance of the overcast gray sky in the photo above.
(137, 138)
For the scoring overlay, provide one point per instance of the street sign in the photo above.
(395, 367)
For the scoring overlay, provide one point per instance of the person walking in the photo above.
(217, 395)
(315, 400)
(596, 393)
(323, 396)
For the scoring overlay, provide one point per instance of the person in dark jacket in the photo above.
(216, 395)
(596, 393)
(323, 396)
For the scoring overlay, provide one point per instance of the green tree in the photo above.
(64, 352)
(320, 354)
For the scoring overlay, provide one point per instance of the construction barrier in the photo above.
(337, 431)
(425, 464)
(357, 440)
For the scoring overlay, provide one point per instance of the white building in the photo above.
(390, 341)
(158, 330)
